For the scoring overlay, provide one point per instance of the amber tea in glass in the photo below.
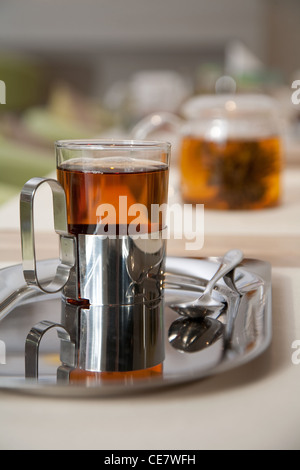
(91, 184)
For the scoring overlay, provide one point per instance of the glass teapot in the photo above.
(230, 151)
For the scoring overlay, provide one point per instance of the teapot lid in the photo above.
(228, 105)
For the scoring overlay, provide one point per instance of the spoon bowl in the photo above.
(206, 305)
(190, 335)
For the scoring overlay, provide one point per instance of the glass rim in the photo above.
(113, 144)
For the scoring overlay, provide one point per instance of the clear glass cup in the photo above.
(115, 175)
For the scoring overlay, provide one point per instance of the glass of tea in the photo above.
(111, 189)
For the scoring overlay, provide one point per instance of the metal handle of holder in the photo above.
(32, 346)
(67, 243)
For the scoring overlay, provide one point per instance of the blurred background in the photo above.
(75, 69)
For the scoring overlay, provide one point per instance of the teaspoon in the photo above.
(206, 304)
(190, 335)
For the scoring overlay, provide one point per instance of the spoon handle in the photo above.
(229, 261)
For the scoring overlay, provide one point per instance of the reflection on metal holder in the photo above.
(32, 345)
(115, 338)
(124, 270)
(121, 327)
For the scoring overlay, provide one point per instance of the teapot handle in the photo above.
(155, 122)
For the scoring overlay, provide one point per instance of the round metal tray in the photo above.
(249, 324)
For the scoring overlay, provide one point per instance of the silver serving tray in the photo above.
(249, 328)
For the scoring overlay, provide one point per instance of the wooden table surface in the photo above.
(278, 250)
